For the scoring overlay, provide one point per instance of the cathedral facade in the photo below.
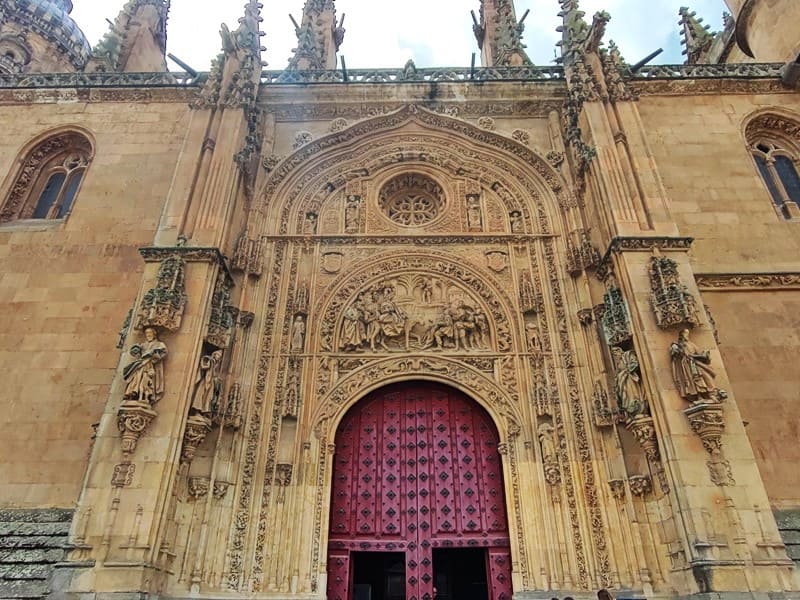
(494, 332)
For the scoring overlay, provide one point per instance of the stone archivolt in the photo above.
(413, 136)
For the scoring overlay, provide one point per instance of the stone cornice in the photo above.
(641, 244)
(421, 240)
(153, 254)
(747, 281)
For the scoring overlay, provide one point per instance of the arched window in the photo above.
(49, 179)
(774, 142)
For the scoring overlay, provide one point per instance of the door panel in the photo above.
(417, 468)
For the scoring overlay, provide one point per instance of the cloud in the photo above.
(432, 32)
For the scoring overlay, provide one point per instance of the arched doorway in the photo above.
(417, 500)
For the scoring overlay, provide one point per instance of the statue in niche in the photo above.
(428, 314)
(208, 385)
(692, 372)
(144, 377)
(515, 221)
(351, 214)
(310, 226)
(474, 221)
(532, 337)
(291, 398)
(628, 391)
(547, 442)
(298, 334)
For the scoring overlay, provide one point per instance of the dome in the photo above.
(50, 19)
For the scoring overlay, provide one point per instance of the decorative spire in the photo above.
(499, 35)
(318, 37)
(577, 37)
(137, 40)
(697, 39)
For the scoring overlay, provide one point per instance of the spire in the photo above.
(697, 39)
(577, 37)
(137, 40)
(499, 35)
(318, 37)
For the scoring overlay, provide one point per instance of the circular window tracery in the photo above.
(412, 199)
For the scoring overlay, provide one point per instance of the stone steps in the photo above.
(789, 526)
(31, 542)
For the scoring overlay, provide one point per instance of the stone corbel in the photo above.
(133, 419)
(640, 485)
(198, 487)
(708, 423)
(197, 428)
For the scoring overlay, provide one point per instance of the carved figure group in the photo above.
(144, 376)
(374, 319)
(692, 372)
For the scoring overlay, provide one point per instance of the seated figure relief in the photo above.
(426, 314)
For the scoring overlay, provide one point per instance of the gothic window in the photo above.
(774, 142)
(49, 179)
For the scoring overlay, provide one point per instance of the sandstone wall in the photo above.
(66, 287)
(718, 198)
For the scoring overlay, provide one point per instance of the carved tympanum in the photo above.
(414, 312)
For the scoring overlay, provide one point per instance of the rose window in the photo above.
(411, 199)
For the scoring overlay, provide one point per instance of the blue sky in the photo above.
(434, 33)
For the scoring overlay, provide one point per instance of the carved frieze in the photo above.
(723, 281)
(672, 302)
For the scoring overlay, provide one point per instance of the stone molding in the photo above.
(714, 282)
(640, 244)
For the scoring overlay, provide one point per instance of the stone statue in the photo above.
(208, 385)
(298, 334)
(144, 377)
(515, 220)
(547, 443)
(628, 391)
(351, 220)
(474, 214)
(692, 372)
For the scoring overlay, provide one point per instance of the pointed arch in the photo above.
(50, 173)
(414, 137)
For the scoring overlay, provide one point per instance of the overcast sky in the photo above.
(434, 33)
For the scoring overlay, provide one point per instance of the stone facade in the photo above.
(605, 262)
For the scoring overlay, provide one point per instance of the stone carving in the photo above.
(581, 255)
(198, 487)
(748, 280)
(300, 304)
(223, 315)
(547, 444)
(197, 428)
(220, 489)
(123, 331)
(163, 305)
(708, 422)
(133, 419)
(496, 260)
(603, 415)
(411, 199)
(144, 376)
(332, 262)
(431, 313)
(247, 256)
(515, 222)
(671, 301)
(301, 139)
(555, 158)
(270, 162)
(522, 136)
(338, 124)
(207, 385)
(692, 372)
(617, 489)
(530, 300)
(123, 474)
(352, 214)
(720, 472)
(640, 485)
(628, 391)
(290, 403)
(230, 415)
(474, 216)
(486, 123)
(310, 223)
(298, 340)
(614, 316)
(283, 474)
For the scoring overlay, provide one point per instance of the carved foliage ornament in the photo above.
(672, 302)
(614, 318)
(163, 305)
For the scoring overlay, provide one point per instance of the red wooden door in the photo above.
(417, 468)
